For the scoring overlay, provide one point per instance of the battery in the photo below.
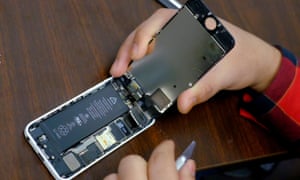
(86, 116)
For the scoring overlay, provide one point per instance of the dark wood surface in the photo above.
(53, 50)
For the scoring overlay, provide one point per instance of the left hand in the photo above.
(161, 165)
(251, 63)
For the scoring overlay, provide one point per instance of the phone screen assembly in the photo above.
(80, 132)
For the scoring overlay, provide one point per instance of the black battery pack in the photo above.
(83, 118)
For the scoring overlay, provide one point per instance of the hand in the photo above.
(161, 165)
(251, 63)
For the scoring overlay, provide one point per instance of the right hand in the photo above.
(161, 165)
(251, 63)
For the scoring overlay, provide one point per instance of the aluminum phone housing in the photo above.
(80, 132)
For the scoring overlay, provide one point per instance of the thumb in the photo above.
(188, 171)
(203, 90)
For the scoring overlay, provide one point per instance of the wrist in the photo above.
(258, 61)
(269, 63)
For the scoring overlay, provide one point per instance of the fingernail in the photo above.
(186, 104)
(191, 102)
(192, 168)
(135, 51)
(115, 67)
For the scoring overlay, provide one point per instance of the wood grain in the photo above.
(53, 50)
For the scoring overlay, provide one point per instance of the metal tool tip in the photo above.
(188, 152)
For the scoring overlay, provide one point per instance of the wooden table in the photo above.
(53, 50)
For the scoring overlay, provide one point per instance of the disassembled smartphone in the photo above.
(75, 135)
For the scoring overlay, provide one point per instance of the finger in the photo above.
(148, 29)
(113, 176)
(135, 46)
(123, 59)
(162, 162)
(188, 171)
(194, 96)
(132, 167)
(204, 89)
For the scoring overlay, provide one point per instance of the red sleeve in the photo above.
(278, 107)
